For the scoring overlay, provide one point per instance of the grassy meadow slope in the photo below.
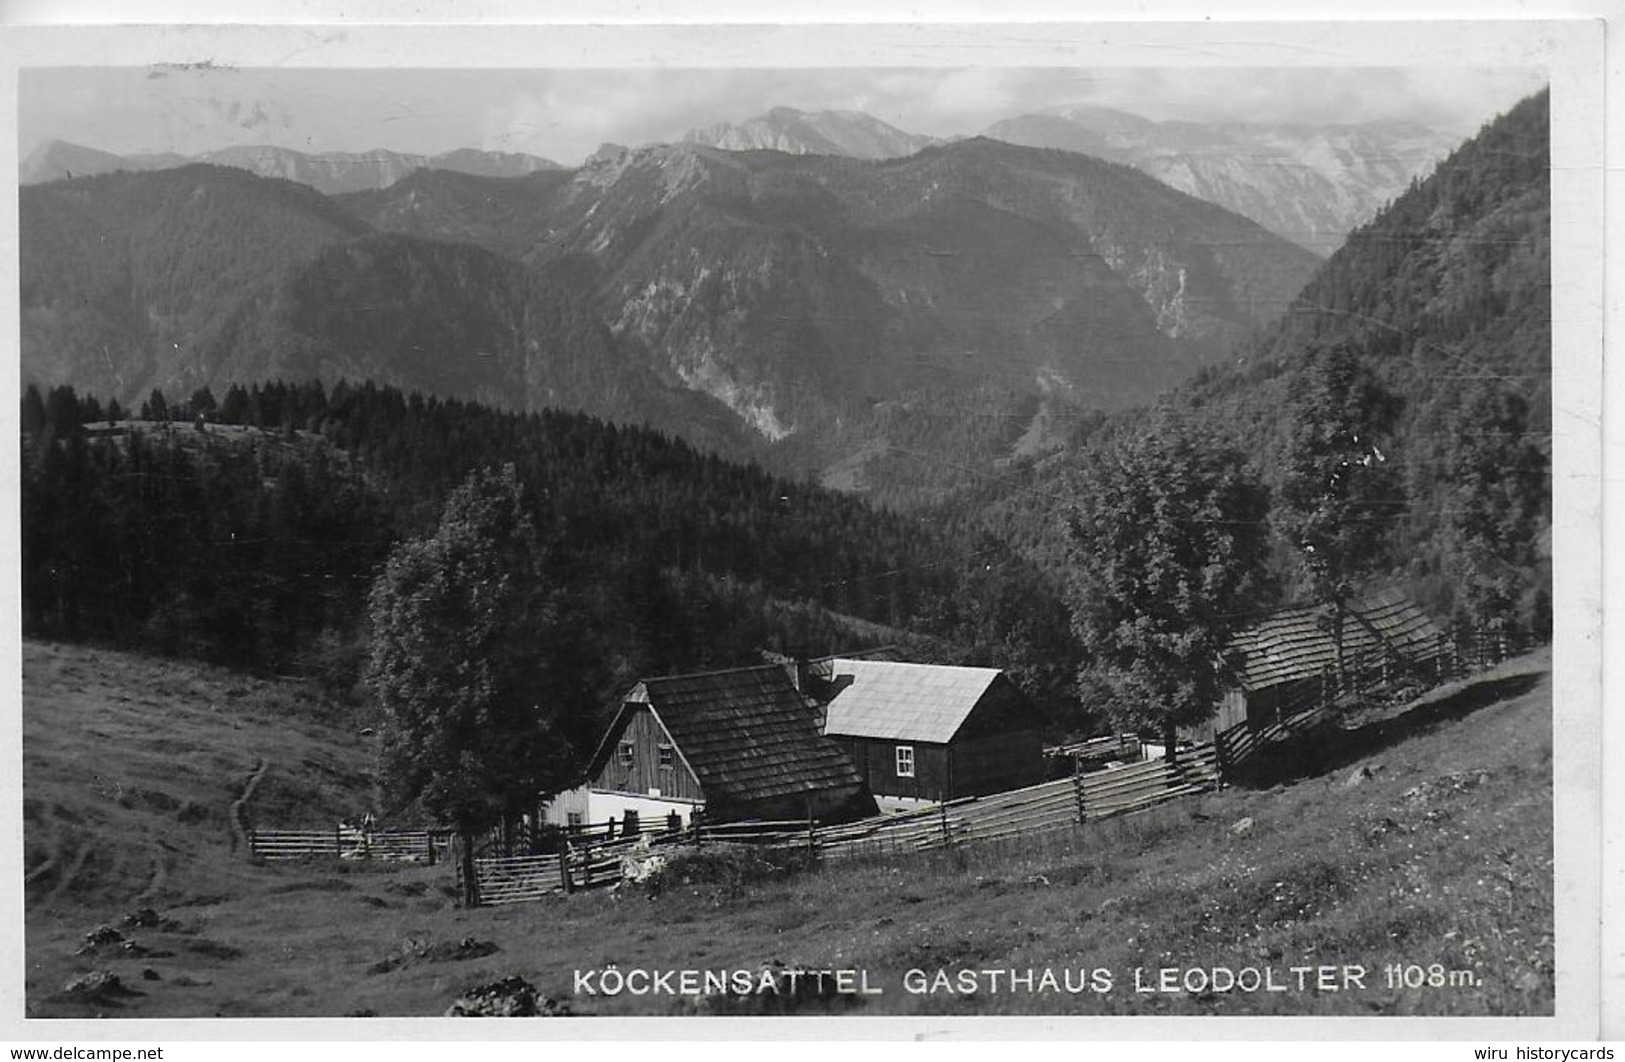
(1440, 852)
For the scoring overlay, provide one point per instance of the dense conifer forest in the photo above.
(247, 531)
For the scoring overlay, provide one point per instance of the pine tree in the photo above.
(33, 414)
(1497, 508)
(155, 407)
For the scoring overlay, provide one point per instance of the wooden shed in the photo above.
(738, 744)
(1285, 663)
(931, 732)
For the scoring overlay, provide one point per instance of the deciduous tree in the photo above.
(1167, 548)
(1339, 500)
(460, 664)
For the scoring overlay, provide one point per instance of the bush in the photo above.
(732, 868)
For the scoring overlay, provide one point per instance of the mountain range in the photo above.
(329, 173)
(833, 312)
(1311, 184)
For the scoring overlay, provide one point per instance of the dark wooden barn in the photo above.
(930, 732)
(1287, 662)
(740, 744)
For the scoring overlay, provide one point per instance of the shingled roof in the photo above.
(746, 734)
(1297, 644)
(909, 702)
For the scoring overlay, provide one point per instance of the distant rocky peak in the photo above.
(851, 134)
(608, 154)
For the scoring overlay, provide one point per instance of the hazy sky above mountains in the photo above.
(565, 114)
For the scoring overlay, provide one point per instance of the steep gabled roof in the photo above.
(746, 734)
(907, 702)
(1297, 643)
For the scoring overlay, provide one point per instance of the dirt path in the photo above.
(155, 881)
(67, 878)
(239, 824)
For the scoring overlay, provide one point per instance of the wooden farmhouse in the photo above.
(738, 745)
(928, 732)
(1286, 663)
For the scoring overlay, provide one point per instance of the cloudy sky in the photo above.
(566, 114)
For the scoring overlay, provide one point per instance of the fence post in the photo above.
(338, 839)
(812, 838)
(1077, 789)
(942, 809)
(253, 844)
(564, 869)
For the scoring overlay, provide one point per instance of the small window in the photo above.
(668, 757)
(905, 761)
(572, 819)
(626, 753)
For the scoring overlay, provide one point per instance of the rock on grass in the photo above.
(511, 997)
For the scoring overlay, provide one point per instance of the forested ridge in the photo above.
(247, 531)
(1441, 307)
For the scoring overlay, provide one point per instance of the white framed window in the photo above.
(905, 761)
(572, 818)
(626, 753)
(668, 757)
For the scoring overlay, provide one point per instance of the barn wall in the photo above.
(645, 777)
(1231, 712)
(1270, 705)
(826, 805)
(1000, 745)
(876, 761)
(991, 763)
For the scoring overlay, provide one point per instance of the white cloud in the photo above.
(566, 114)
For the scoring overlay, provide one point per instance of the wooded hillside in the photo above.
(255, 545)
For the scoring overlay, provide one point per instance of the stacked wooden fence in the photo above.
(596, 858)
(295, 844)
(1067, 802)
(1121, 747)
(515, 879)
(1241, 742)
(1050, 805)
(344, 840)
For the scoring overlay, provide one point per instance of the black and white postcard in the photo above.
(1035, 529)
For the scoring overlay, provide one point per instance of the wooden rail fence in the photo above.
(596, 857)
(1124, 748)
(1049, 805)
(1063, 803)
(344, 840)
